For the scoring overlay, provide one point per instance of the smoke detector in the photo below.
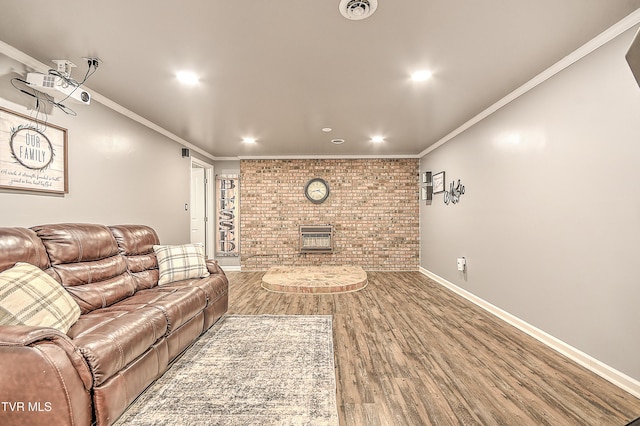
(357, 9)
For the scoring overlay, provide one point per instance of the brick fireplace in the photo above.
(373, 209)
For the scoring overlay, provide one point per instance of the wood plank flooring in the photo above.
(410, 352)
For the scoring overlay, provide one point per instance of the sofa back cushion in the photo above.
(21, 245)
(86, 259)
(135, 243)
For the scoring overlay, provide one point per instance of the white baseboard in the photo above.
(614, 376)
(230, 268)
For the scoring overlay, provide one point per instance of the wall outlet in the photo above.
(462, 263)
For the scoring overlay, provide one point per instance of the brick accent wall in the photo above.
(373, 206)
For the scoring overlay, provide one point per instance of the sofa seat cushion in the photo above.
(110, 339)
(214, 286)
(177, 304)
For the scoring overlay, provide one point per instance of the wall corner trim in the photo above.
(603, 370)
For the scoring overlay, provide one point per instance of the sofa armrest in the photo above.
(44, 379)
(23, 335)
(213, 267)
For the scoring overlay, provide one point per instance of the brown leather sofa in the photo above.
(129, 331)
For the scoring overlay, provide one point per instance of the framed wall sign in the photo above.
(438, 182)
(33, 154)
(227, 215)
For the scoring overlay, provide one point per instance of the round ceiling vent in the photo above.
(358, 9)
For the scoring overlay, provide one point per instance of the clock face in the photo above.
(316, 190)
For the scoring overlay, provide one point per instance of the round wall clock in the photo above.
(316, 190)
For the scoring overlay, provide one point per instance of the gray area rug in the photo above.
(248, 370)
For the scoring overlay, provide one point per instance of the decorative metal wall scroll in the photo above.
(227, 215)
(454, 193)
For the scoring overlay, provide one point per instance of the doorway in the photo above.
(202, 205)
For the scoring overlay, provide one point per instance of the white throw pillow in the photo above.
(28, 296)
(180, 262)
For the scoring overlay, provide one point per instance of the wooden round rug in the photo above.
(314, 279)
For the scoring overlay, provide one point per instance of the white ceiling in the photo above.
(281, 70)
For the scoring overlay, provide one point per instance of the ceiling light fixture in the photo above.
(186, 77)
(327, 129)
(421, 75)
(337, 141)
(377, 139)
(249, 140)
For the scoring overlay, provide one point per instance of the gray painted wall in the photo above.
(550, 222)
(119, 172)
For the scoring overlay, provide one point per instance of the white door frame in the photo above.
(209, 205)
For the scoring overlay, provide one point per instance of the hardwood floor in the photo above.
(410, 352)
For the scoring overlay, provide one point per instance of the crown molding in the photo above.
(38, 66)
(606, 36)
(612, 32)
(324, 157)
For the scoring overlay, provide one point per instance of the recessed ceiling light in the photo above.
(337, 141)
(377, 139)
(187, 77)
(421, 75)
(327, 129)
(249, 140)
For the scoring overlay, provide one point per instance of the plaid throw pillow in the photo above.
(28, 296)
(181, 262)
